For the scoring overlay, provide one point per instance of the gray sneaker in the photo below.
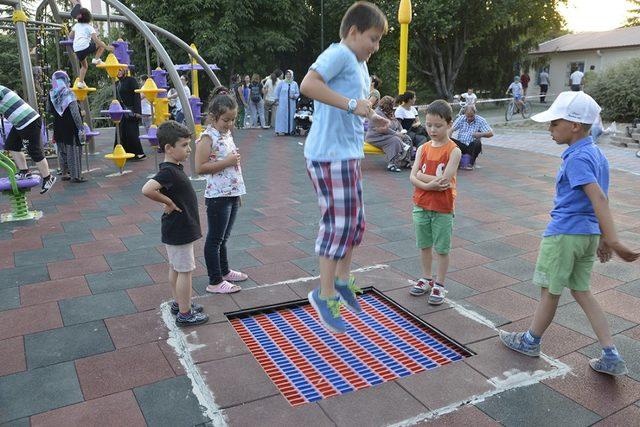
(514, 341)
(610, 367)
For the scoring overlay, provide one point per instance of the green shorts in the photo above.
(566, 261)
(433, 230)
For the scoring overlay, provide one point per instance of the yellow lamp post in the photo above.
(404, 18)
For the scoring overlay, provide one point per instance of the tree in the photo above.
(443, 32)
(634, 14)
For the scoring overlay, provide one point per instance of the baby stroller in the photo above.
(303, 116)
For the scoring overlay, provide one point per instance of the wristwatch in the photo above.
(351, 106)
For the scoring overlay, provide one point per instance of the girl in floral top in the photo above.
(218, 159)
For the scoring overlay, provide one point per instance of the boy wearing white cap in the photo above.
(581, 226)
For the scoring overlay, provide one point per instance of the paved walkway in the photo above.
(83, 339)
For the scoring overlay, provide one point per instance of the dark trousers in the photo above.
(576, 88)
(221, 214)
(130, 136)
(474, 149)
(543, 92)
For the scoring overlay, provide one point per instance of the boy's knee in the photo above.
(579, 294)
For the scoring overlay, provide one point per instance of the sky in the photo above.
(594, 15)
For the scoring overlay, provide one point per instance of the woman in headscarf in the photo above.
(392, 140)
(130, 124)
(287, 92)
(68, 129)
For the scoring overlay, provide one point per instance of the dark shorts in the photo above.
(31, 134)
(82, 54)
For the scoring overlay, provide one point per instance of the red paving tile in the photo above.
(277, 211)
(276, 237)
(27, 320)
(116, 232)
(122, 369)
(131, 218)
(623, 418)
(171, 356)
(138, 328)
(371, 238)
(461, 258)
(6, 262)
(621, 304)
(273, 273)
(150, 297)
(276, 253)
(12, 356)
(528, 242)
(99, 247)
(20, 242)
(601, 283)
(506, 303)
(460, 328)
(370, 255)
(53, 290)
(588, 387)
(116, 409)
(482, 278)
(77, 267)
(505, 228)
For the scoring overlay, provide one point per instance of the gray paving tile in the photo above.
(110, 210)
(66, 239)
(85, 225)
(145, 240)
(119, 279)
(68, 343)
(95, 307)
(458, 291)
(241, 242)
(393, 234)
(9, 298)
(245, 227)
(515, 267)
(134, 258)
(475, 234)
(150, 227)
(308, 246)
(403, 248)
(631, 288)
(495, 249)
(39, 390)
(18, 276)
(159, 403)
(43, 255)
(308, 264)
(308, 231)
(536, 405)
(497, 319)
(628, 349)
(22, 422)
(239, 258)
(533, 291)
(571, 316)
(411, 266)
(618, 270)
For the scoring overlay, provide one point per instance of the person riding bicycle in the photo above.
(517, 92)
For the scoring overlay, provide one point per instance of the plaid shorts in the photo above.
(338, 186)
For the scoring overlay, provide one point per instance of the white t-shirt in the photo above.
(145, 107)
(403, 113)
(576, 77)
(82, 36)
(470, 99)
(544, 78)
(271, 88)
(178, 103)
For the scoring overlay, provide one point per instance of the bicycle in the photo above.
(513, 109)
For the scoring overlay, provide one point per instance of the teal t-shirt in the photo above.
(335, 134)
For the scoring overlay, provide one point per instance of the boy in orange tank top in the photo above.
(434, 177)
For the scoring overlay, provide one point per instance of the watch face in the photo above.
(353, 104)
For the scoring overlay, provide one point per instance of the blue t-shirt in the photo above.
(583, 163)
(335, 134)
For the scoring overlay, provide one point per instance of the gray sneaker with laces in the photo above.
(610, 367)
(515, 341)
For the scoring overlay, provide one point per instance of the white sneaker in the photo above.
(96, 61)
(437, 296)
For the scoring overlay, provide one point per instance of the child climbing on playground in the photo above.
(581, 226)
(26, 126)
(86, 42)
(180, 220)
(434, 177)
(339, 81)
(218, 159)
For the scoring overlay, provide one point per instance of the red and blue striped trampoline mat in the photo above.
(307, 363)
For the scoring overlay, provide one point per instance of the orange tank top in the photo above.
(433, 161)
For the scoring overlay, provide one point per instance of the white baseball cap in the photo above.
(572, 106)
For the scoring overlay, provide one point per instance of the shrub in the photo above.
(617, 91)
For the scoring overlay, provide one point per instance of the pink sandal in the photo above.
(223, 288)
(235, 276)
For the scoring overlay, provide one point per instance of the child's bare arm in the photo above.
(600, 205)
(204, 166)
(433, 184)
(152, 190)
(72, 34)
(314, 87)
(452, 166)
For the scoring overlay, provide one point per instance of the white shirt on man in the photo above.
(576, 77)
(82, 36)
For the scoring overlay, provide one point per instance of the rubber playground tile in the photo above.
(213, 342)
(621, 304)
(571, 316)
(121, 406)
(12, 356)
(85, 225)
(66, 239)
(482, 278)
(67, 343)
(48, 388)
(21, 422)
(628, 348)
(77, 267)
(409, 266)
(130, 218)
(506, 303)
(475, 234)
(159, 403)
(617, 269)
(121, 370)
(466, 416)
(528, 405)
(276, 411)
(150, 297)
(455, 382)
(515, 267)
(116, 232)
(134, 258)
(274, 273)
(116, 280)
(53, 290)
(280, 222)
(495, 249)
(28, 320)
(621, 418)
(533, 291)
(99, 247)
(95, 307)
(371, 255)
(231, 389)
(137, 328)
(9, 298)
(506, 228)
(458, 327)
(528, 242)
(390, 234)
(588, 387)
(392, 404)
(276, 253)
(262, 296)
(41, 256)
(600, 283)
(275, 237)
(142, 241)
(171, 356)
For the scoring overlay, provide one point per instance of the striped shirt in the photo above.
(14, 109)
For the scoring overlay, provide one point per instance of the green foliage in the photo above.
(617, 91)
(10, 63)
(634, 14)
